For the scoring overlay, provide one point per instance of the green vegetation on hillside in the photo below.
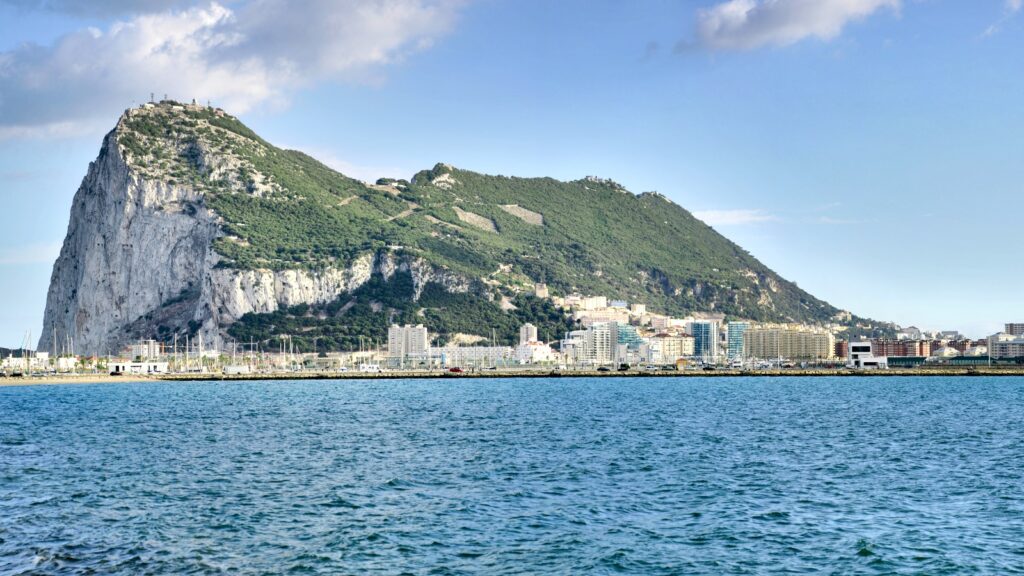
(283, 209)
(361, 319)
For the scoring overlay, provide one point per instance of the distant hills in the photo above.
(189, 223)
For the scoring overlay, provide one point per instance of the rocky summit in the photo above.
(189, 223)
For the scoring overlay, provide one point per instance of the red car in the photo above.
(455, 370)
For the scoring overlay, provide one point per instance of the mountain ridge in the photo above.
(188, 222)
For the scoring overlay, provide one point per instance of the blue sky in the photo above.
(869, 150)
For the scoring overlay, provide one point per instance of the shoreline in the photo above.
(1002, 371)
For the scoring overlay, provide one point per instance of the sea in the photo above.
(872, 475)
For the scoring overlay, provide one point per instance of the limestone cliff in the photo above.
(139, 260)
(188, 221)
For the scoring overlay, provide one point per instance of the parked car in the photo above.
(455, 370)
(603, 369)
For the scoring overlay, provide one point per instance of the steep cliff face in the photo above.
(132, 245)
(188, 221)
(139, 261)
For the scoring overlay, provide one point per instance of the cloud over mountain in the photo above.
(256, 54)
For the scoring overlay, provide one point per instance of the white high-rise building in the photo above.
(527, 334)
(601, 341)
(598, 344)
(408, 343)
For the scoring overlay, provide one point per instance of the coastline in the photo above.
(1004, 371)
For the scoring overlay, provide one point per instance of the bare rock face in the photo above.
(132, 245)
(138, 262)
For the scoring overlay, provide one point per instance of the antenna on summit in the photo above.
(152, 98)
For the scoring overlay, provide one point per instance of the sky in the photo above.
(869, 150)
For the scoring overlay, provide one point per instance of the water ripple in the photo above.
(631, 476)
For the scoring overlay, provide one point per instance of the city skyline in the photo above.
(875, 128)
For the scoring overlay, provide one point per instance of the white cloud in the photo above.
(734, 217)
(30, 254)
(1010, 8)
(749, 24)
(257, 55)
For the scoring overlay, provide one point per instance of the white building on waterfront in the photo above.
(790, 342)
(861, 356)
(476, 356)
(1005, 345)
(535, 353)
(408, 344)
(125, 367)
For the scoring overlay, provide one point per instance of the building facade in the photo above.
(667, 348)
(408, 344)
(476, 356)
(789, 342)
(1015, 328)
(705, 340)
(1005, 345)
(527, 334)
(901, 348)
(735, 331)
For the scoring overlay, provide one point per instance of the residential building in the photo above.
(408, 344)
(587, 318)
(527, 334)
(534, 353)
(628, 343)
(667, 349)
(656, 321)
(842, 349)
(476, 356)
(1015, 329)
(735, 331)
(901, 348)
(593, 303)
(789, 342)
(599, 343)
(573, 346)
(1004, 345)
(705, 340)
(909, 333)
(146, 350)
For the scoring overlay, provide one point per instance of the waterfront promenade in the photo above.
(514, 373)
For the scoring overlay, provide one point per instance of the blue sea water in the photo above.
(561, 476)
